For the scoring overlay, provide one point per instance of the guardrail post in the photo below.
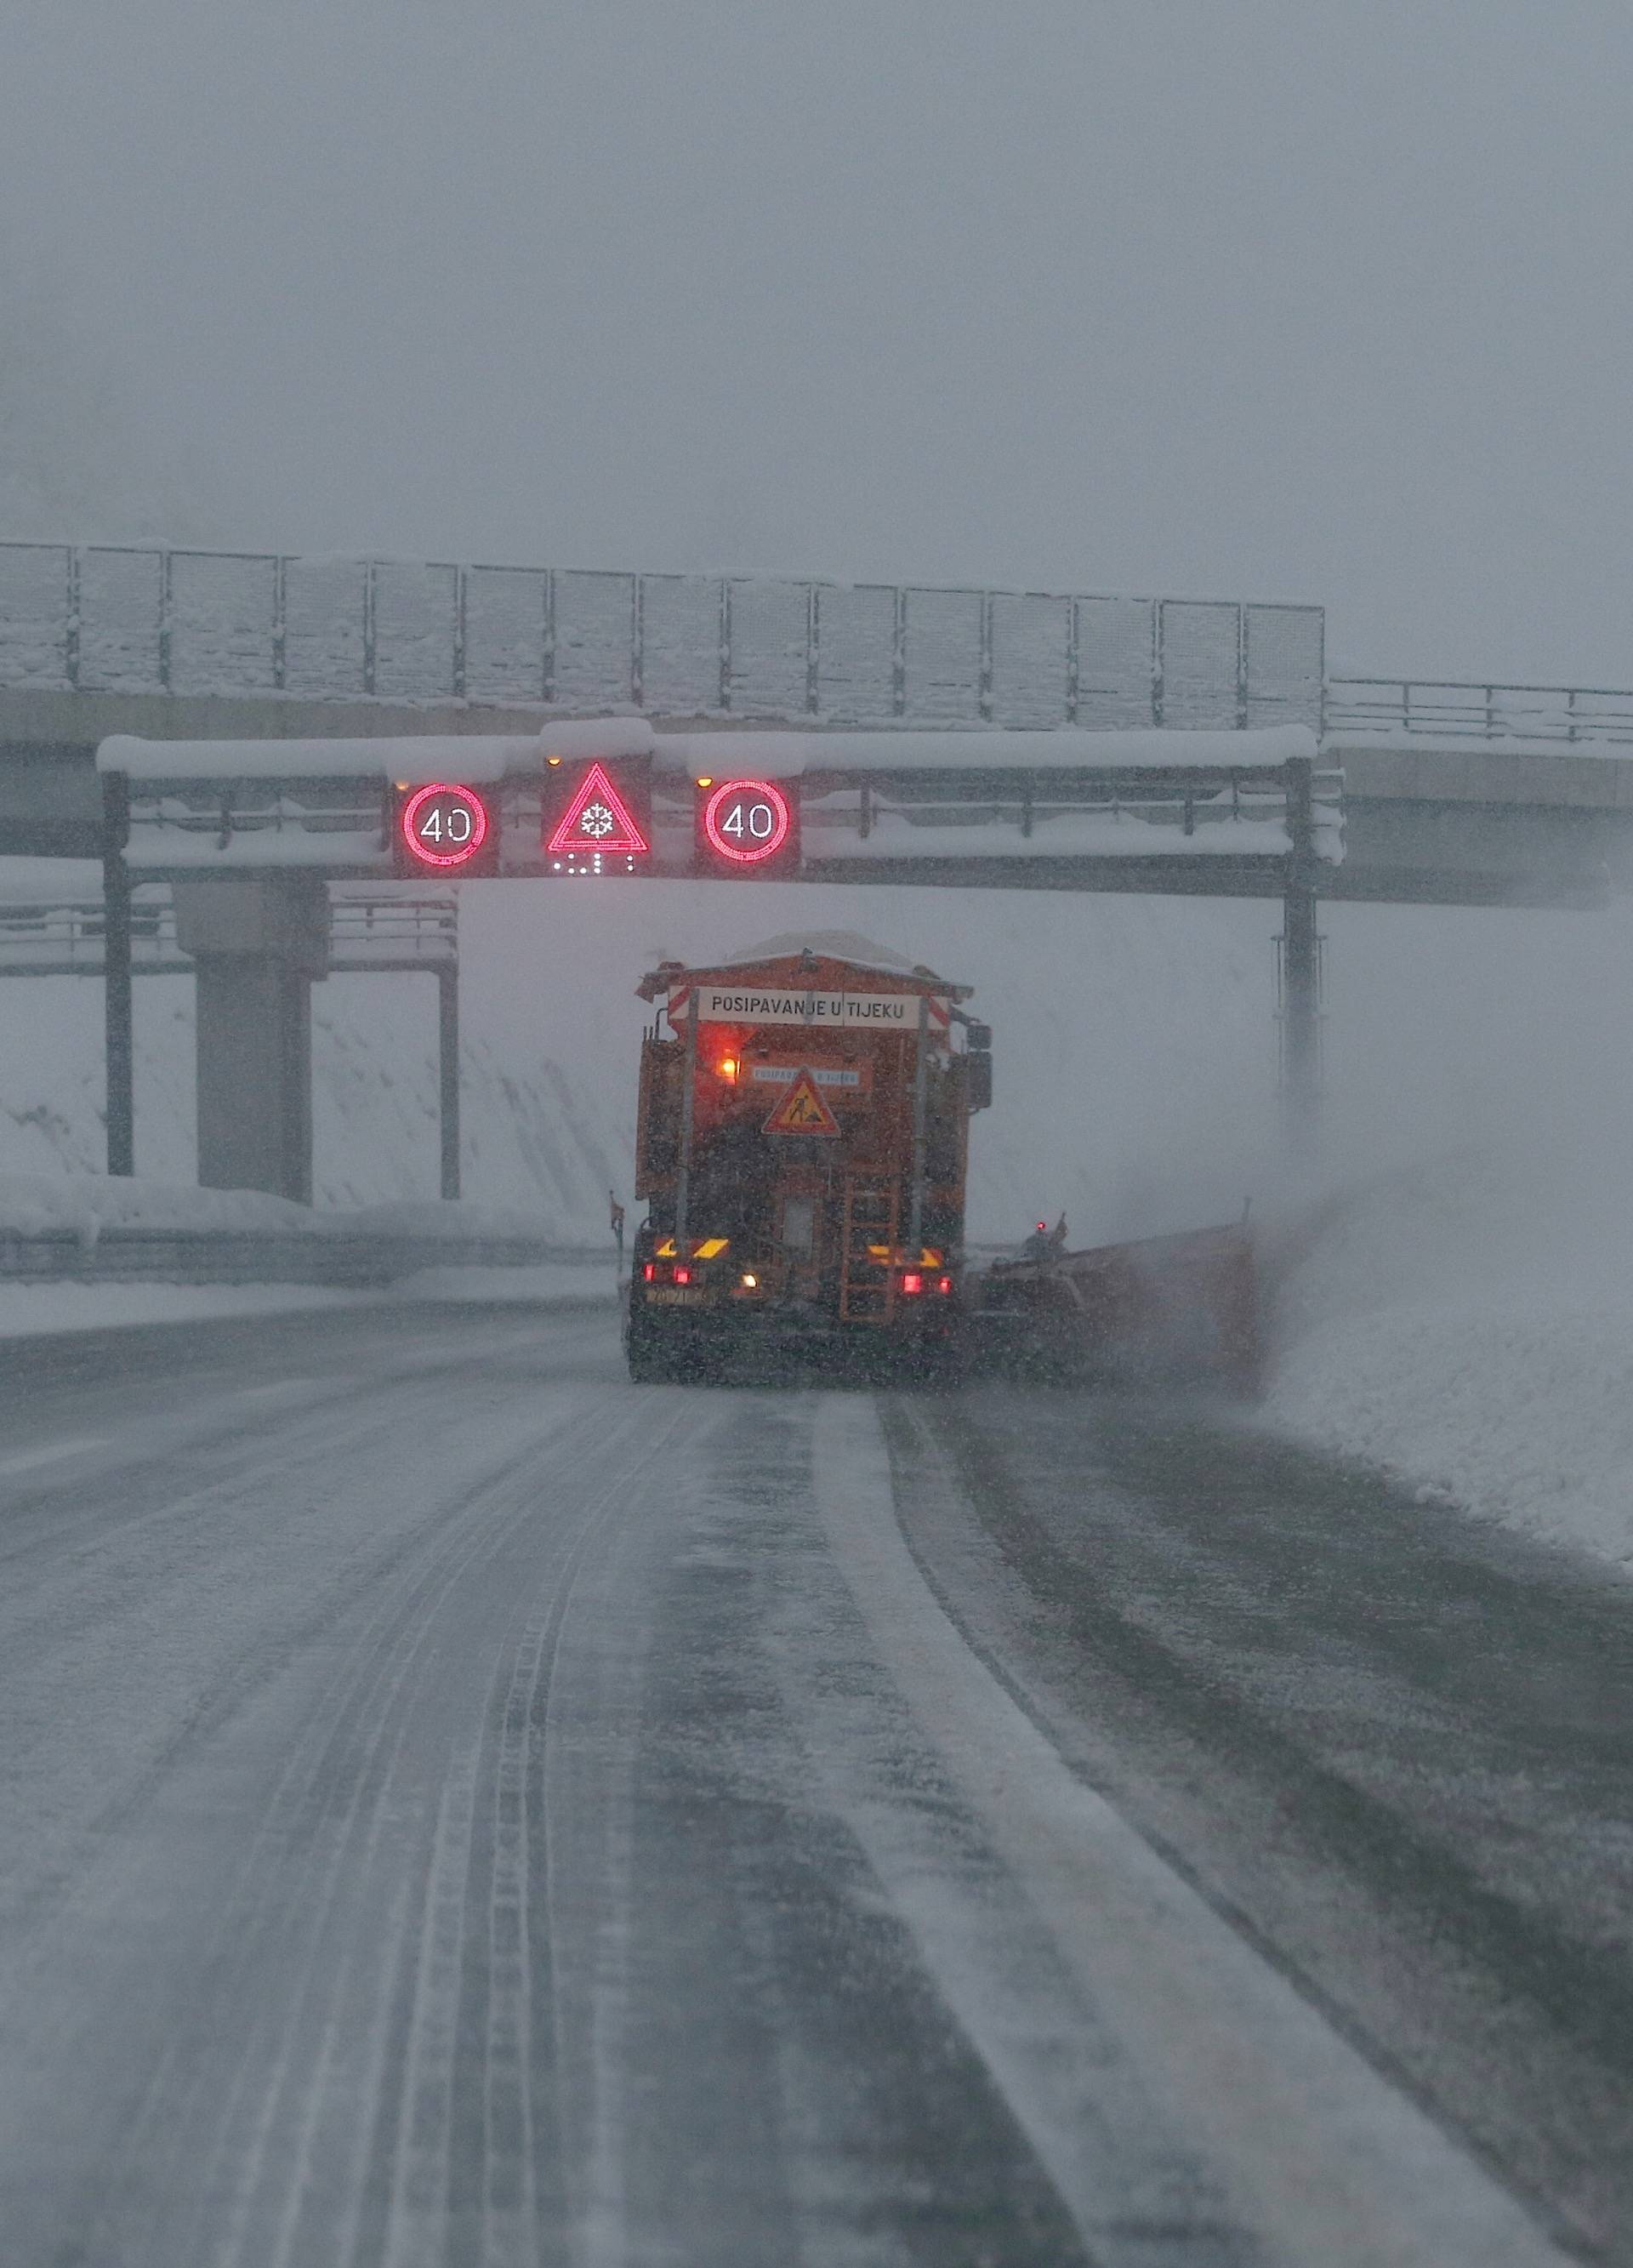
(448, 1074)
(1301, 1009)
(118, 1046)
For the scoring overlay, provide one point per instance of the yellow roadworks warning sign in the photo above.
(802, 1110)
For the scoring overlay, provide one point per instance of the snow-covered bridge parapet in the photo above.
(221, 625)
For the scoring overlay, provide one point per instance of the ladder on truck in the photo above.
(867, 1282)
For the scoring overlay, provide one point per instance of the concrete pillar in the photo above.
(258, 942)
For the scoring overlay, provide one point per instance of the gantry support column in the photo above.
(448, 1073)
(1301, 977)
(258, 942)
(119, 1039)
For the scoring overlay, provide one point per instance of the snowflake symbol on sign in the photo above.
(595, 819)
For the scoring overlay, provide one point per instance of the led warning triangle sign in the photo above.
(802, 1110)
(598, 819)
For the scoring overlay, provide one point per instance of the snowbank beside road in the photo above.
(34, 1204)
(44, 1310)
(1468, 1328)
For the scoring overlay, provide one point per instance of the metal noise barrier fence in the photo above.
(108, 619)
(348, 1262)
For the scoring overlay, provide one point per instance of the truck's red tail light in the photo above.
(649, 1272)
(682, 1275)
(911, 1284)
(943, 1283)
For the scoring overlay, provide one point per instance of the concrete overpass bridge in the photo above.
(1453, 793)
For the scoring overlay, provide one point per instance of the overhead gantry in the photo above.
(247, 834)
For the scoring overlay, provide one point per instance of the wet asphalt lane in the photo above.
(1393, 1743)
(458, 1808)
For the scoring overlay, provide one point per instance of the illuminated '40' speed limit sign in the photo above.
(746, 826)
(444, 828)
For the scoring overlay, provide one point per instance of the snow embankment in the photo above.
(90, 1204)
(29, 1311)
(1468, 1328)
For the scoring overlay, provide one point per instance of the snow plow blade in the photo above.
(1171, 1310)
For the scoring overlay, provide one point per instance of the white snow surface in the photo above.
(41, 1310)
(837, 944)
(31, 1203)
(1460, 1312)
(45, 1310)
(785, 756)
(411, 758)
(1069, 834)
(1445, 1329)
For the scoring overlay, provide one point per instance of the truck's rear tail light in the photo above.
(649, 1272)
(750, 1283)
(912, 1283)
(682, 1275)
(943, 1283)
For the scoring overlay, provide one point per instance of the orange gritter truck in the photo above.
(801, 1144)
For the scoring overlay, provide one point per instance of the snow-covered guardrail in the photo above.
(85, 1228)
(208, 1256)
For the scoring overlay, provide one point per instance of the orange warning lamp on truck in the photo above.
(801, 1145)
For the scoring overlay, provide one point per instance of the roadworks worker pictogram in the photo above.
(802, 1110)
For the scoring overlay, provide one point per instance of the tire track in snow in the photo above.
(340, 1770)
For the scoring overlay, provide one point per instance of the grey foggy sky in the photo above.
(1235, 298)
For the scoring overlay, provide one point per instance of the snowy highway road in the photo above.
(457, 1808)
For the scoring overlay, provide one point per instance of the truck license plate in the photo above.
(683, 1297)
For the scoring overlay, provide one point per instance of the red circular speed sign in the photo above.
(444, 826)
(746, 821)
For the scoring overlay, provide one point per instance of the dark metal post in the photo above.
(921, 1097)
(118, 1047)
(688, 1104)
(1301, 1037)
(448, 1074)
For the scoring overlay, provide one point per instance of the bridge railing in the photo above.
(387, 929)
(122, 619)
(1584, 717)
